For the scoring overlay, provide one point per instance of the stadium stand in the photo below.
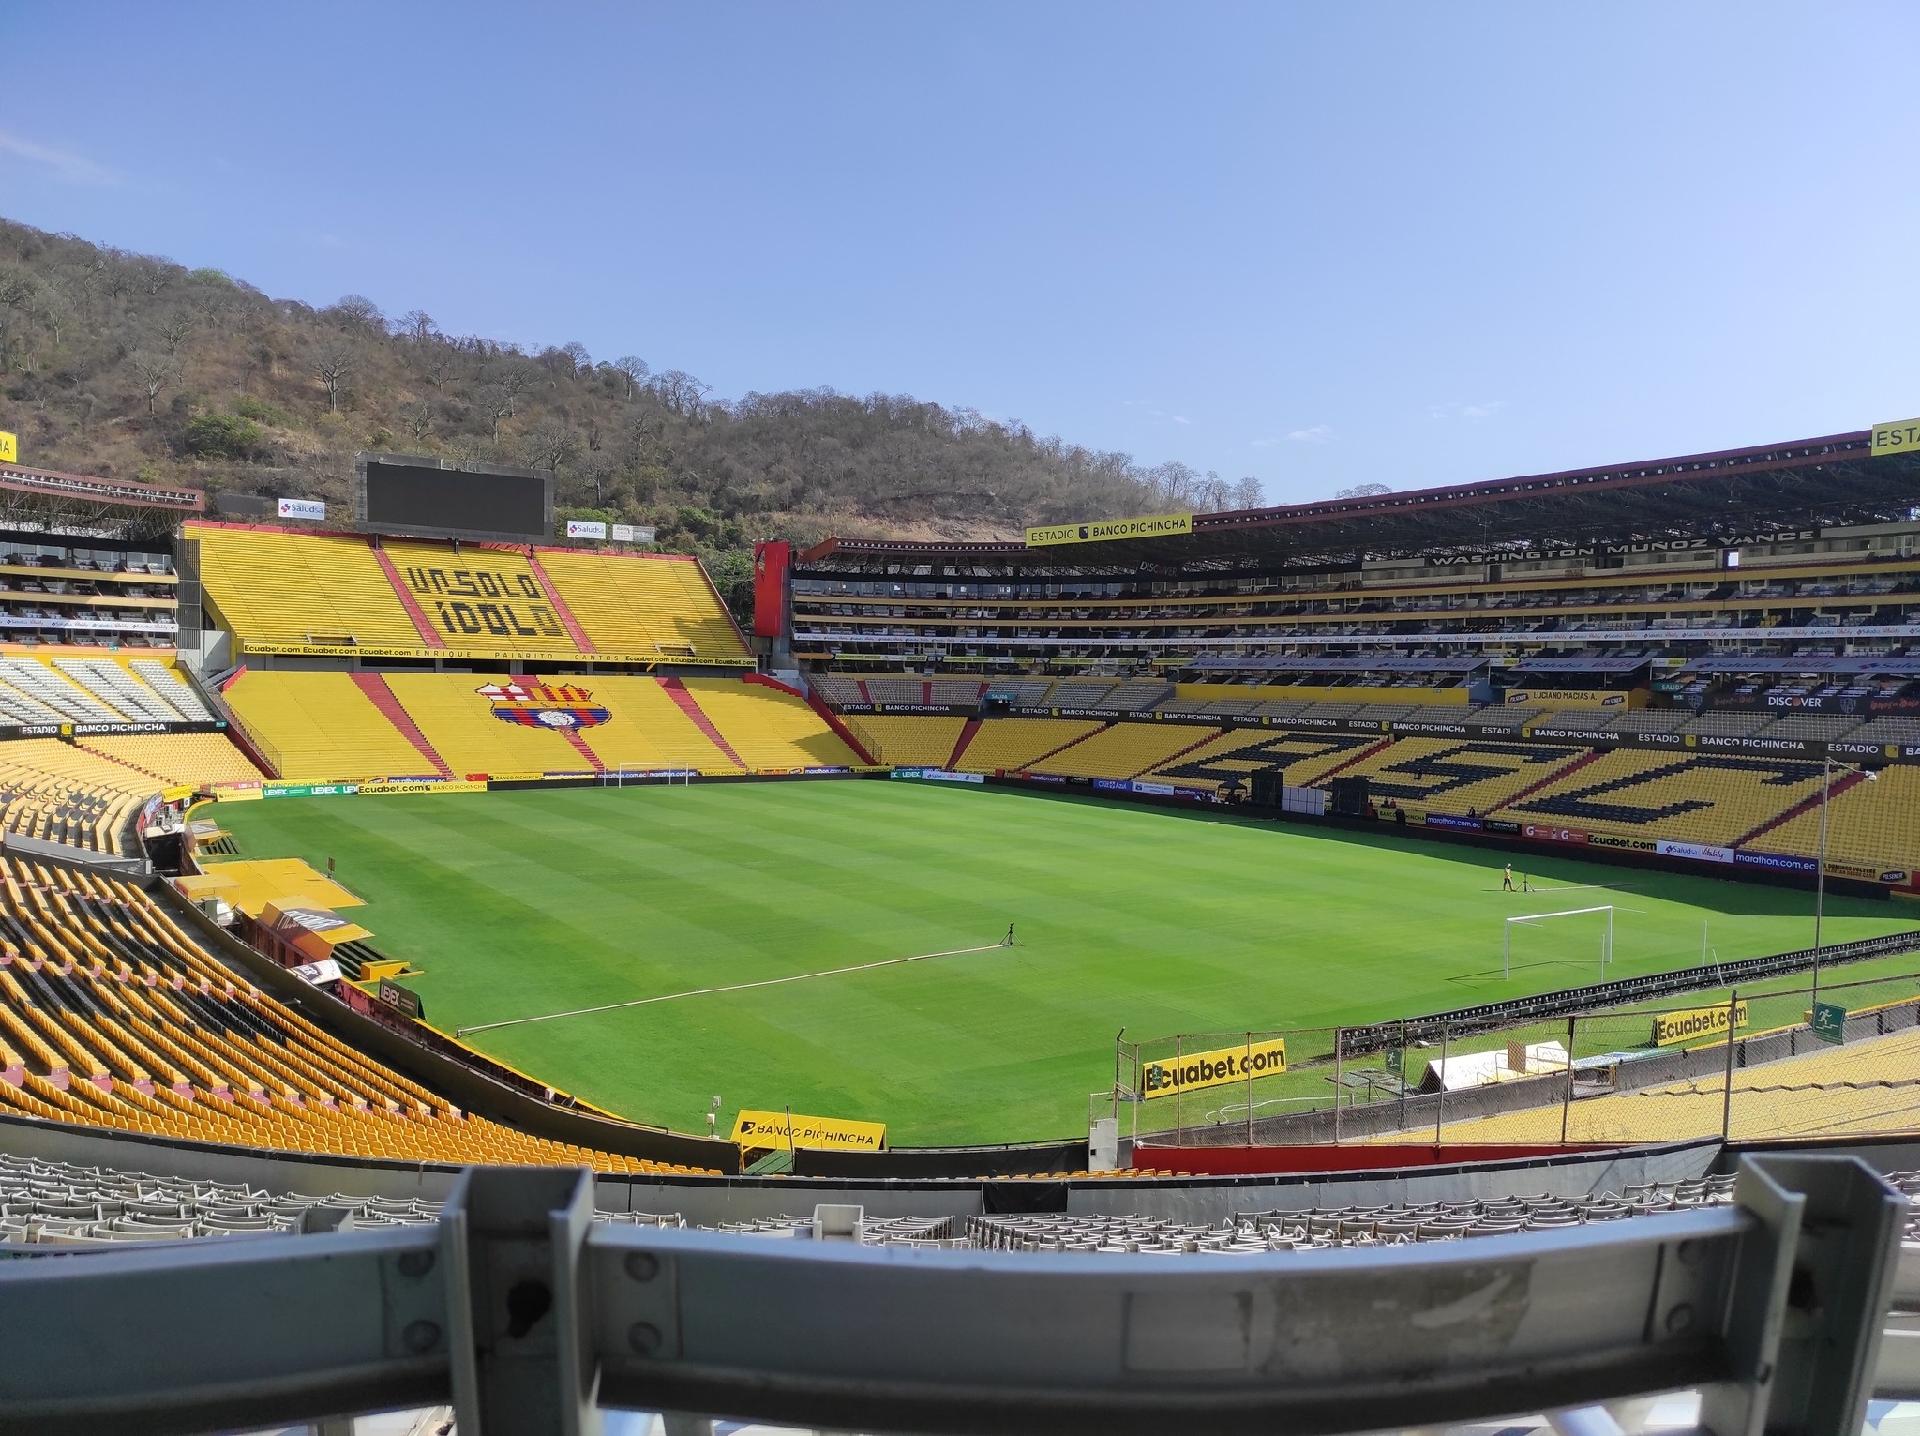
(480, 598)
(61, 793)
(1825, 1093)
(645, 605)
(649, 730)
(115, 1017)
(174, 759)
(284, 592)
(1708, 799)
(1303, 759)
(908, 741)
(1016, 743)
(172, 689)
(319, 726)
(769, 729)
(1871, 825)
(459, 725)
(1124, 750)
(290, 591)
(1460, 776)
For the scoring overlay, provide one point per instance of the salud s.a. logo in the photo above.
(544, 705)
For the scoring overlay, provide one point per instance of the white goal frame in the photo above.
(1506, 934)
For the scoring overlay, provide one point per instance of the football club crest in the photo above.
(544, 705)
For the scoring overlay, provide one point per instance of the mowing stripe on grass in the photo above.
(731, 987)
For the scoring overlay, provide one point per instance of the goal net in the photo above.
(1576, 936)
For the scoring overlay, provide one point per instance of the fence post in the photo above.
(1246, 1071)
(1440, 1099)
(1337, 1072)
(1726, 1097)
(1402, 1124)
(1566, 1103)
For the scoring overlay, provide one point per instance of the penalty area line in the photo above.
(730, 987)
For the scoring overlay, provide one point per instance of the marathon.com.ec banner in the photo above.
(1264, 1057)
(1149, 526)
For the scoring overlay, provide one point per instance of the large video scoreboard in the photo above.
(406, 494)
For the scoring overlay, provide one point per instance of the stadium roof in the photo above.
(88, 506)
(1734, 494)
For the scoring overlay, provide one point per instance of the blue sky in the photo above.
(1327, 244)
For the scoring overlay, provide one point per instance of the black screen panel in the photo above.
(422, 497)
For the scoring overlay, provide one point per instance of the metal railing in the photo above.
(528, 1317)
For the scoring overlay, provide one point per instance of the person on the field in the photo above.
(1009, 938)
(1506, 882)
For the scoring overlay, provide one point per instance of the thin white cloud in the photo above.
(65, 164)
(1484, 410)
(1154, 411)
(1318, 434)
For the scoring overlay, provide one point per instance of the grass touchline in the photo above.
(732, 987)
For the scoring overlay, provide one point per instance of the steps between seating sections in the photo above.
(558, 604)
(381, 696)
(428, 634)
(1806, 804)
(689, 705)
(960, 743)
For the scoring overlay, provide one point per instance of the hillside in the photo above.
(133, 366)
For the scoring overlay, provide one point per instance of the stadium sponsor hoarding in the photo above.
(1670, 1028)
(1901, 436)
(1629, 845)
(759, 1130)
(586, 528)
(1192, 1071)
(1894, 876)
(633, 533)
(1431, 729)
(1717, 742)
(939, 775)
(275, 789)
(1158, 790)
(1547, 833)
(1566, 697)
(403, 1000)
(1699, 852)
(312, 509)
(1106, 530)
(424, 785)
(1776, 862)
(9, 447)
(1450, 820)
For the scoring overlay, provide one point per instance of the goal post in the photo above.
(1527, 919)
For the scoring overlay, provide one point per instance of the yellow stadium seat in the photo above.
(320, 726)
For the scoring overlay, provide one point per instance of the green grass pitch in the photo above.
(516, 904)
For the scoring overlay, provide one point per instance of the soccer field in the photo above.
(517, 904)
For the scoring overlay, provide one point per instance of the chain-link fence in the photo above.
(1785, 1058)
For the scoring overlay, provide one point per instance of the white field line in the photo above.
(731, 987)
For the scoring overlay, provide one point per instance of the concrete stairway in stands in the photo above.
(381, 696)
